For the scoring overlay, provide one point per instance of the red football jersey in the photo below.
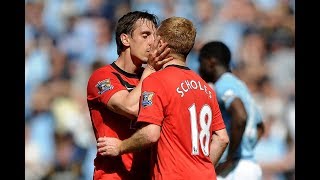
(186, 108)
(102, 84)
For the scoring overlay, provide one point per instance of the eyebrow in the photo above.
(146, 32)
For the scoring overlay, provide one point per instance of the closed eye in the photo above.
(145, 34)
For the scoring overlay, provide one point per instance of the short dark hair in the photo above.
(217, 50)
(126, 25)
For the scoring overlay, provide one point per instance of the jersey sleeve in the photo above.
(258, 115)
(102, 85)
(151, 102)
(217, 120)
(226, 94)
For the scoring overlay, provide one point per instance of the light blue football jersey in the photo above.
(227, 88)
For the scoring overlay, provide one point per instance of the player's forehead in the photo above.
(144, 25)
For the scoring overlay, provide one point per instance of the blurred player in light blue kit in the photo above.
(241, 116)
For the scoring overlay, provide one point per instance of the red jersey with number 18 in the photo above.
(186, 108)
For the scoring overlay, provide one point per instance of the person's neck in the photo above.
(176, 61)
(219, 71)
(126, 63)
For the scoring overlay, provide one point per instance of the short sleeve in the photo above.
(102, 85)
(151, 102)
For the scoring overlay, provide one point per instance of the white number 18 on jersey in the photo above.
(205, 129)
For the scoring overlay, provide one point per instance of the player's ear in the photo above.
(125, 39)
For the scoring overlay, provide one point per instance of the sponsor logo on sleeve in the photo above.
(104, 86)
(147, 98)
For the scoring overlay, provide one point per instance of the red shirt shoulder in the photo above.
(107, 80)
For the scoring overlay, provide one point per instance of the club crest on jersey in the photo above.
(104, 86)
(147, 98)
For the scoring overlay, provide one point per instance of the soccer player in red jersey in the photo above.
(180, 115)
(113, 92)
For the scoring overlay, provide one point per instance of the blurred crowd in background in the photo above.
(65, 40)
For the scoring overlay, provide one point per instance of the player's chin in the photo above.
(144, 60)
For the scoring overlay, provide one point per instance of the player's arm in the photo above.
(144, 137)
(238, 124)
(127, 103)
(219, 143)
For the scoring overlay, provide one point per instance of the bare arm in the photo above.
(127, 103)
(218, 144)
(144, 137)
(238, 124)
